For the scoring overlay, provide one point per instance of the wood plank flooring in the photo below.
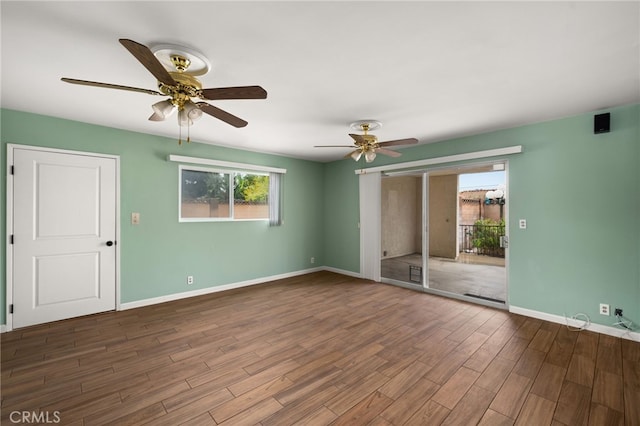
(318, 349)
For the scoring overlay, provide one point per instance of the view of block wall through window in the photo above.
(212, 194)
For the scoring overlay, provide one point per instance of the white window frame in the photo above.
(229, 167)
(231, 174)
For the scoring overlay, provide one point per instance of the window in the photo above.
(210, 194)
(211, 187)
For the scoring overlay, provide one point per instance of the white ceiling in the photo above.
(430, 70)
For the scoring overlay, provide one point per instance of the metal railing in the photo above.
(482, 239)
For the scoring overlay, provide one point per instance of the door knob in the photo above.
(110, 243)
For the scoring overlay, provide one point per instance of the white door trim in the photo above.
(9, 221)
(420, 164)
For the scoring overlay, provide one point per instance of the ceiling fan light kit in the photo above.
(367, 144)
(181, 85)
(369, 156)
(188, 113)
(162, 110)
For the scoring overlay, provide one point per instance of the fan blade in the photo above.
(222, 115)
(109, 86)
(334, 146)
(388, 152)
(409, 141)
(244, 92)
(358, 138)
(146, 57)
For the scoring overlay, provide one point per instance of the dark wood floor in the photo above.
(319, 349)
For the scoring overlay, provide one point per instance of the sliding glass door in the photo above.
(444, 230)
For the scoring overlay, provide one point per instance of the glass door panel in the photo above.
(402, 228)
(467, 228)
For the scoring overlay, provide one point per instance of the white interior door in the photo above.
(64, 230)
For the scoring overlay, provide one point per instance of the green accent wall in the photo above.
(158, 254)
(579, 192)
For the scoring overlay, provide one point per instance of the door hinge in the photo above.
(11, 308)
(12, 170)
(11, 239)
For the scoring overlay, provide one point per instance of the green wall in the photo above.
(579, 192)
(580, 195)
(158, 254)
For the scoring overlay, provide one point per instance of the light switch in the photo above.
(135, 218)
(523, 223)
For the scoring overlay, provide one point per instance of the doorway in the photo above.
(62, 214)
(443, 230)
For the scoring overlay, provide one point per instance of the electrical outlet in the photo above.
(604, 309)
(618, 312)
(190, 279)
(313, 260)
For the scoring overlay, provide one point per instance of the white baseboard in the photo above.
(598, 328)
(215, 289)
(342, 272)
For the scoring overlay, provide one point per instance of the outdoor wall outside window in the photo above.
(212, 195)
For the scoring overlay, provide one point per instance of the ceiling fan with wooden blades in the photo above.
(368, 145)
(184, 90)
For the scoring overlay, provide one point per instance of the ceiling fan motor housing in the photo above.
(188, 87)
(370, 139)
